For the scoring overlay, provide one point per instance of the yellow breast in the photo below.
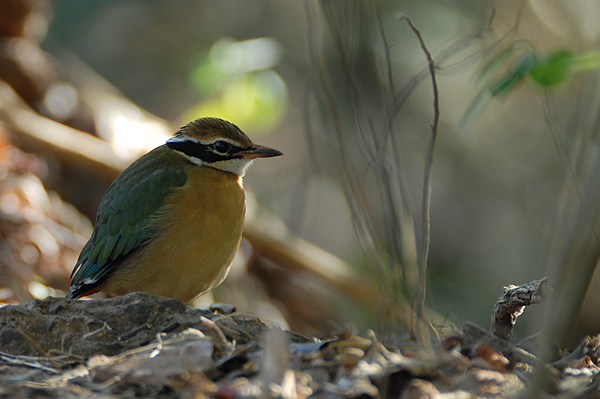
(198, 233)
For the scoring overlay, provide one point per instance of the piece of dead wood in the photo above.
(272, 240)
(42, 134)
(587, 351)
(512, 304)
(473, 334)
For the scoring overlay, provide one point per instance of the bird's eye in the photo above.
(221, 147)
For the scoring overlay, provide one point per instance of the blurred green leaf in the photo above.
(207, 77)
(237, 78)
(546, 71)
(475, 109)
(552, 69)
(524, 66)
(586, 61)
(255, 100)
(501, 58)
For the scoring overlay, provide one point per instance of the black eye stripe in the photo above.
(204, 152)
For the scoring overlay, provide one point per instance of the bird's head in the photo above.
(218, 144)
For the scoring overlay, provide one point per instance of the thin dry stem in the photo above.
(426, 198)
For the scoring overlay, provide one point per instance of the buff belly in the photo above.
(200, 231)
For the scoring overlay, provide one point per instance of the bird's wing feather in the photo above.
(123, 222)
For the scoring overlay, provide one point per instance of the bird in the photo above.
(171, 222)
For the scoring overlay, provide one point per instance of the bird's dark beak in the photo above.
(258, 151)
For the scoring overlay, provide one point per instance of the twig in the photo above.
(426, 199)
(159, 345)
(105, 327)
(512, 304)
(221, 344)
(39, 348)
(213, 326)
(133, 331)
(28, 361)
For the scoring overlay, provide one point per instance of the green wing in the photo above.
(122, 222)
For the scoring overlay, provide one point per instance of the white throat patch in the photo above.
(237, 166)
